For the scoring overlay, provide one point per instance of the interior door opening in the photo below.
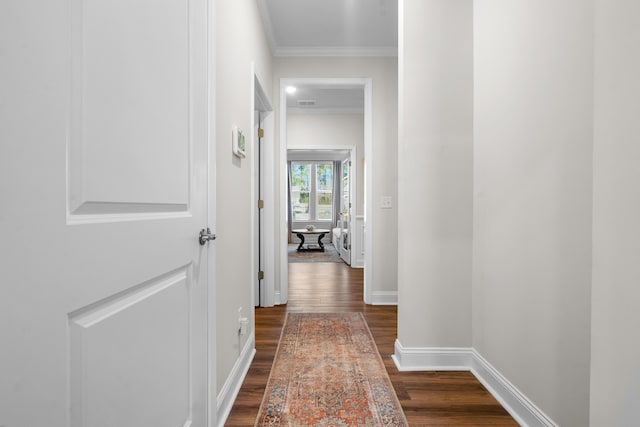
(356, 219)
(320, 193)
(263, 197)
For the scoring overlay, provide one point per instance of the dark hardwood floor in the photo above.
(427, 398)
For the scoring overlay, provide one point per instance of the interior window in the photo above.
(312, 191)
(324, 193)
(300, 190)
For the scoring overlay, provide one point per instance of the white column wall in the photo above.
(555, 275)
(533, 103)
(615, 371)
(435, 173)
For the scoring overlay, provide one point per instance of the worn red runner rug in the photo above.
(328, 372)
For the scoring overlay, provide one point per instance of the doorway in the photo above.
(263, 195)
(321, 189)
(358, 222)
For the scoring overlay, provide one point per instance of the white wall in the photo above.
(532, 198)
(331, 129)
(383, 72)
(435, 173)
(615, 372)
(235, 52)
(555, 270)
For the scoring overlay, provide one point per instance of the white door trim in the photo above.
(368, 195)
(366, 83)
(212, 410)
(261, 102)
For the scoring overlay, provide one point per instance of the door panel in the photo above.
(104, 121)
(130, 106)
(129, 361)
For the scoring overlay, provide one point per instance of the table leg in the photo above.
(301, 237)
(320, 241)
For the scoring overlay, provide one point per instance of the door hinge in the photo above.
(260, 275)
(260, 204)
(260, 133)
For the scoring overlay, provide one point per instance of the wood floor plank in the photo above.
(427, 398)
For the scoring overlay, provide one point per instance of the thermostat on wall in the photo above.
(239, 144)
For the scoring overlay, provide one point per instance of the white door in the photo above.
(103, 189)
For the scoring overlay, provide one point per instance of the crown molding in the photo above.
(332, 110)
(339, 51)
(267, 25)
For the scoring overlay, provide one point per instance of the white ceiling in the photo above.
(331, 27)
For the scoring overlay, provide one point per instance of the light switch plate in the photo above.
(238, 142)
(385, 202)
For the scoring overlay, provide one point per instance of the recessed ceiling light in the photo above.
(291, 90)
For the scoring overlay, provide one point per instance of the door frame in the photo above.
(282, 239)
(212, 407)
(261, 103)
(353, 179)
(353, 167)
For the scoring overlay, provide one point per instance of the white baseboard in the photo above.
(431, 359)
(525, 412)
(232, 385)
(521, 408)
(385, 298)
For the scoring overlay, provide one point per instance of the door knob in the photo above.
(205, 236)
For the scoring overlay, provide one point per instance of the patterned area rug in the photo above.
(328, 372)
(329, 255)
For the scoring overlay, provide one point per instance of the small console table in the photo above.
(301, 232)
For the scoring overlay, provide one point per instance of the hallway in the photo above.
(428, 398)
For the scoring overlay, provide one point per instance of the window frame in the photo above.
(314, 193)
(318, 192)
